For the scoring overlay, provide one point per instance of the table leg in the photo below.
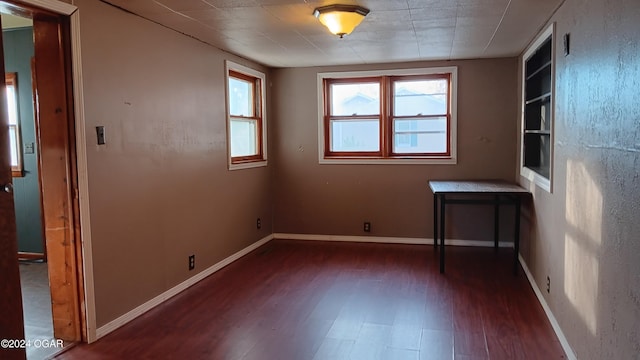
(442, 215)
(516, 241)
(435, 221)
(496, 222)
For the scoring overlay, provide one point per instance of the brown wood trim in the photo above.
(246, 159)
(257, 102)
(23, 255)
(57, 158)
(386, 131)
(74, 182)
(11, 79)
(353, 80)
(242, 76)
(449, 115)
(326, 94)
(386, 117)
(36, 120)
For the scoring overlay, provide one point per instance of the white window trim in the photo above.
(452, 159)
(229, 65)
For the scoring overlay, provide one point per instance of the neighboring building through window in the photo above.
(246, 125)
(394, 116)
(14, 128)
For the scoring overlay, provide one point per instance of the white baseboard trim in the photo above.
(552, 319)
(386, 240)
(123, 319)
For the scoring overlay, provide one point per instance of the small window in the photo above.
(404, 116)
(14, 124)
(246, 117)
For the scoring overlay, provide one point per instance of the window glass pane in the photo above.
(12, 106)
(360, 135)
(243, 137)
(355, 99)
(420, 135)
(420, 97)
(240, 97)
(13, 141)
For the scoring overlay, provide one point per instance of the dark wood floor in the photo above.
(302, 300)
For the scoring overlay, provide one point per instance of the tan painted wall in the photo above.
(159, 189)
(585, 234)
(336, 199)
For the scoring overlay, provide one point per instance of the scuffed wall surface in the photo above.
(311, 198)
(585, 234)
(159, 189)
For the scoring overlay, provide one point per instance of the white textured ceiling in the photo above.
(284, 33)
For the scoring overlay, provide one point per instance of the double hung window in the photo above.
(246, 119)
(401, 116)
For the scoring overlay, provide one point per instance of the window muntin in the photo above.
(14, 126)
(245, 114)
(413, 113)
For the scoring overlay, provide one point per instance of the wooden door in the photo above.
(11, 320)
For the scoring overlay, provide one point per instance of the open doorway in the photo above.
(42, 145)
(17, 36)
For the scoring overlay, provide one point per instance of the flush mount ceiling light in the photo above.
(340, 19)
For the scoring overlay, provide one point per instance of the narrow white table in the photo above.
(493, 192)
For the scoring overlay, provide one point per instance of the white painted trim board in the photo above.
(141, 309)
(386, 240)
(547, 310)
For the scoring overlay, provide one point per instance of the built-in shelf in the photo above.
(542, 68)
(539, 98)
(537, 114)
(541, 132)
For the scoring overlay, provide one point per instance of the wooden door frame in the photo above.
(81, 254)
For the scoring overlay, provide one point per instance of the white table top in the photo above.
(476, 187)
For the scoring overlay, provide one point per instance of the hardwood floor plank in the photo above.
(469, 343)
(505, 347)
(406, 337)
(321, 300)
(436, 345)
(334, 349)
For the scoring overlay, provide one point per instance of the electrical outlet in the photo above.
(100, 135)
(548, 285)
(367, 226)
(192, 262)
(258, 224)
